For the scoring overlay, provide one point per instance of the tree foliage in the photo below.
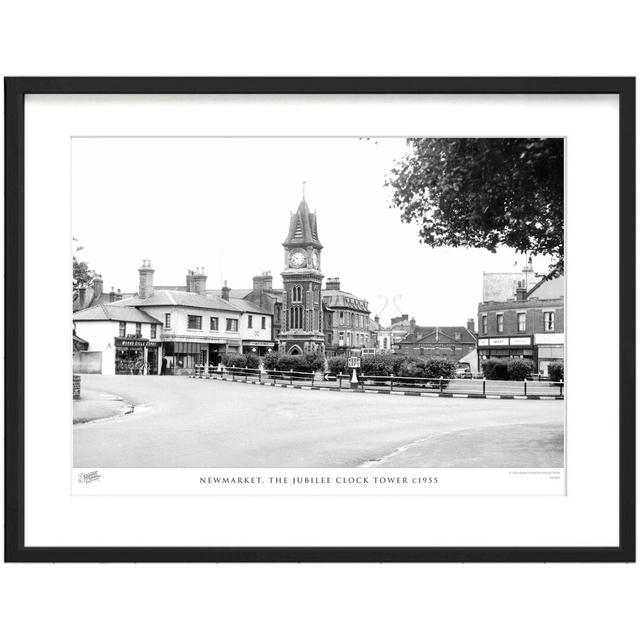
(484, 193)
(82, 274)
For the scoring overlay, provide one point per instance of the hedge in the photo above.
(556, 371)
(283, 362)
(520, 368)
(512, 369)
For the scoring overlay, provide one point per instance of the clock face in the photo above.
(297, 258)
(315, 260)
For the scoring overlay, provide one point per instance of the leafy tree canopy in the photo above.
(484, 193)
(82, 274)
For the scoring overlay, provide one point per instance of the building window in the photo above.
(194, 322)
(138, 328)
(296, 294)
(549, 320)
(341, 338)
(341, 317)
(483, 324)
(232, 324)
(167, 321)
(213, 323)
(296, 317)
(264, 322)
(250, 322)
(522, 322)
(122, 329)
(153, 331)
(499, 322)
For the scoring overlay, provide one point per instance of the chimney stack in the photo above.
(112, 295)
(225, 291)
(412, 326)
(199, 280)
(82, 296)
(190, 287)
(118, 295)
(333, 284)
(471, 325)
(263, 282)
(97, 288)
(145, 287)
(521, 292)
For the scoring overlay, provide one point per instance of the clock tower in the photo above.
(301, 331)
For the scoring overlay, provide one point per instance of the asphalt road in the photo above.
(183, 422)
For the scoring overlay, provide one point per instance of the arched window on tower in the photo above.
(296, 294)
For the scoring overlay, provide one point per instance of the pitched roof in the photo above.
(246, 305)
(114, 312)
(303, 228)
(436, 334)
(173, 298)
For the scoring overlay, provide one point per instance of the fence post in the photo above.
(290, 376)
(441, 384)
(313, 377)
(246, 372)
(259, 375)
(525, 387)
(484, 386)
(561, 387)
(391, 382)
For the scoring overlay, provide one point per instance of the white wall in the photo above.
(179, 322)
(256, 332)
(101, 334)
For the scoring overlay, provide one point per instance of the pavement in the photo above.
(98, 405)
(189, 422)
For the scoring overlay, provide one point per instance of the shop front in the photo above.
(516, 347)
(549, 349)
(181, 358)
(135, 356)
(258, 347)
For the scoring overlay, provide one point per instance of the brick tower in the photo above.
(302, 283)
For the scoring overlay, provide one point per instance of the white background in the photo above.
(465, 38)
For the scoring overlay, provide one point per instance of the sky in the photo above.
(224, 204)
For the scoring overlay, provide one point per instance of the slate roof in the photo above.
(441, 334)
(246, 305)
(303, 228)
(343, 299)
(173, 298)
(114, 312)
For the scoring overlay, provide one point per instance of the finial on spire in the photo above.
(304, 189)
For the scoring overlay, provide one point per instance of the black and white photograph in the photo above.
(318, 302)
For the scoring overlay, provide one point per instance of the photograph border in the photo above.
(15, 91)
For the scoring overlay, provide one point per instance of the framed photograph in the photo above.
(320, 319)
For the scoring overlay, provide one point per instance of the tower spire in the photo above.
(304, 189)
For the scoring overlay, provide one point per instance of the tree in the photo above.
(82, 274)
(484, 192)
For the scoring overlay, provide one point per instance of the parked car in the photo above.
(463, 372)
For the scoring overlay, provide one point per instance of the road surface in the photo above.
(184, 422)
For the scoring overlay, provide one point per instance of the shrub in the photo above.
(412, 367)
(271, 360)
(381, 364)
(284, 362)
(337, 364)
(495, 369)
(439, 367)
(234, 360)
(253, 361)
(520, 368)
(556, 371)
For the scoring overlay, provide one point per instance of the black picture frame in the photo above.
(15, 91)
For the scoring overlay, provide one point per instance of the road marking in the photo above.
(459, 395)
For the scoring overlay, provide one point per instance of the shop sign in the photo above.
(520, 341)
(483, 342)
(258, 343)
(499, 342)
(136, 343)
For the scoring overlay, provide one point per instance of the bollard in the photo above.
(484, 386)
(246, 372)
(561, 387)
(441, 384)
(354, 379)
(391, 382)
(290, 376)
(525, 386)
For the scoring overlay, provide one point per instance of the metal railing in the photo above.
(466, 386)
